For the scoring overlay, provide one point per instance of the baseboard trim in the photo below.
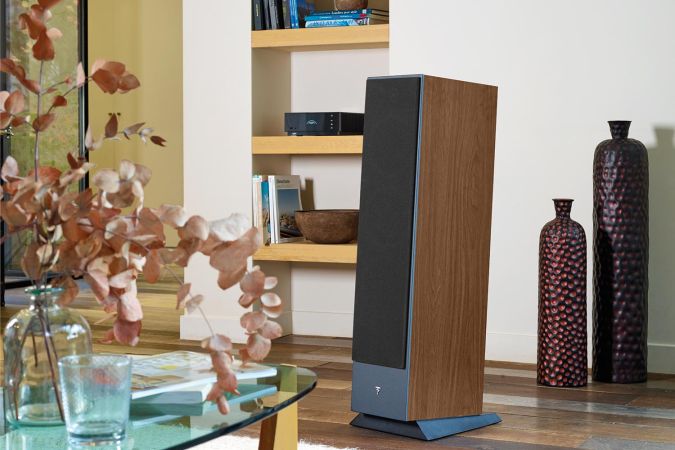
(661, 358)
(316, 323)
(522, 348)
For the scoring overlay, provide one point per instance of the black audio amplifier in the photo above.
(323, 123)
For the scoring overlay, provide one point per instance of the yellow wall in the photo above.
(146, 35)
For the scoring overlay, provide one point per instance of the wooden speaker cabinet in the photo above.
(423, 256)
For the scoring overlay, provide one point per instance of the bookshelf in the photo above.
(307, 145)
(308, 252)
(322, 69)
(321, 39)
(316, 39)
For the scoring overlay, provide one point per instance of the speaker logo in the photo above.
(377, 390)
(312, 122)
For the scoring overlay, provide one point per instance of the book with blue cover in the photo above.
(261, 207)
(265, 198)
(342, 22)
(299, 10)
(354, 17)
(351, 14)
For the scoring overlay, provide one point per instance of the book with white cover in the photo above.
(256, 183)
(284, 202)
(184, 371)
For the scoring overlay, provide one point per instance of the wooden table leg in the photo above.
(280, 432)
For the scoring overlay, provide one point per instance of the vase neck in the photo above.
(563, 207)
(43, 297)
(619, 128)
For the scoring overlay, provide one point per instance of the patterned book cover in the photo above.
(342, 22)
(284, 202)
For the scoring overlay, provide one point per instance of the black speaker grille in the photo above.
(386, 221)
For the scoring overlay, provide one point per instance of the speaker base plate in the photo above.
(426, 430)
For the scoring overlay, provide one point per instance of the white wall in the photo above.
(217, 140)
(563, 69)
(323, 295)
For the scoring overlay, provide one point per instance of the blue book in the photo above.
(294, 13)
(349, 14)
(338, 23)
(265, 187)
(299, 10)
(344, 11)
(313, 17)
(329, 15)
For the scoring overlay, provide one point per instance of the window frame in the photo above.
(5, 142)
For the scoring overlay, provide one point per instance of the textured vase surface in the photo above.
(621, 256)
(345, 5)
(35, 338)
(562, 358)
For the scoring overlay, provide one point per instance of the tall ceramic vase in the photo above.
(621, 248)
(562, 351)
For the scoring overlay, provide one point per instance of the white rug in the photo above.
(244, 443)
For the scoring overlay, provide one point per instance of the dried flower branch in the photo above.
(92, 235)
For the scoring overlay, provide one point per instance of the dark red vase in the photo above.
(562, 358)
(621, 250)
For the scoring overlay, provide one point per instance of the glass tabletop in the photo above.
(174, 426)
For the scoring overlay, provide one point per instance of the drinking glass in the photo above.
(96, 391)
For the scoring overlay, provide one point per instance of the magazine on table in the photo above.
(188, 372)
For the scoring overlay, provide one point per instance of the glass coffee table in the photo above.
(172, 427)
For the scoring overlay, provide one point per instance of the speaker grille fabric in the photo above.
(386, 221)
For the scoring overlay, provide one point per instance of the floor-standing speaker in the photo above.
(423, 256)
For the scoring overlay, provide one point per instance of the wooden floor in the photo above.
(600, 416)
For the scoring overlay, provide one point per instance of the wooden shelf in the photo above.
(313, 39)
(307, 145)
(308, 252)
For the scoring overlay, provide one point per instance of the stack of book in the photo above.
(354, 17)
(280, 14)
(188, 375)
(173, 385)
(276, 198)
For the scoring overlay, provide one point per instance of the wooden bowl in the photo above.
(343, 5)
(328, 226)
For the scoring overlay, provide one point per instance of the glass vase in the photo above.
(35, 338)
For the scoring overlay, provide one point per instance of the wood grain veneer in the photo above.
(306, 251)
(307, 145)
(453, 249)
